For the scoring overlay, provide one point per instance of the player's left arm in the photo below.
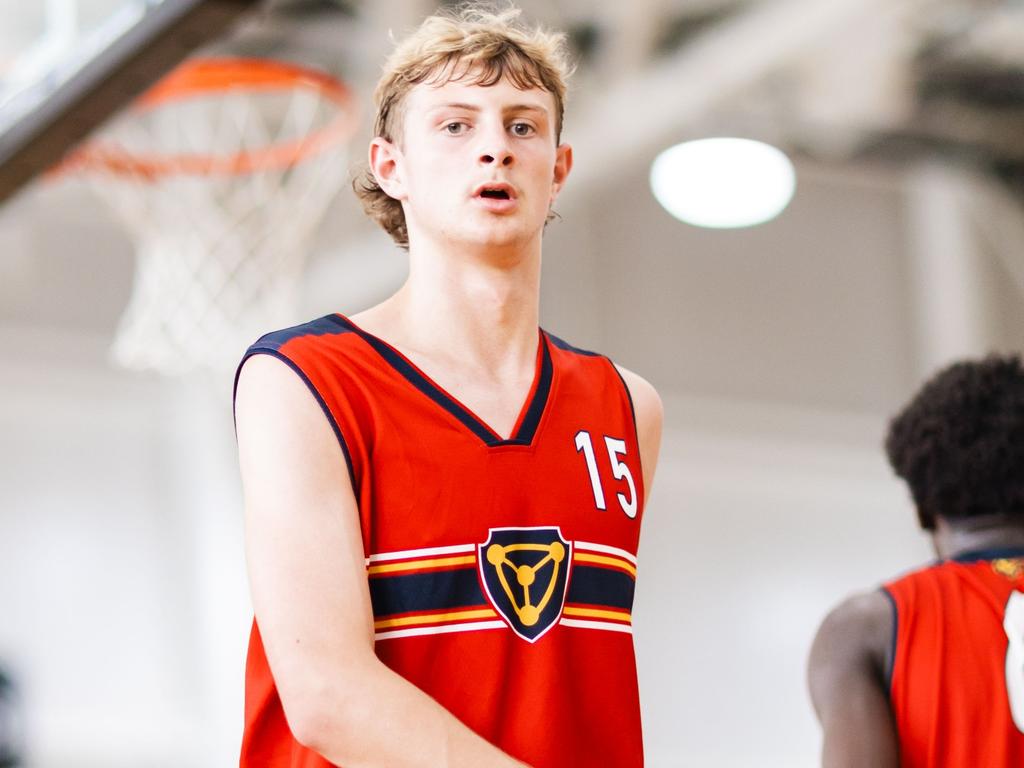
(848, 673)
(649, 416)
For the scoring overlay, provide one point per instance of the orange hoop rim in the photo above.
(205, 76)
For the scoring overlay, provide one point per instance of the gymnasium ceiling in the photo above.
(857, 91)
(830, 78)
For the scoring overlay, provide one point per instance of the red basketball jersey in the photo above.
(957, 686)
(501, 572)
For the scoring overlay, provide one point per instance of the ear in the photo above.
(563, 164)
(386, 166)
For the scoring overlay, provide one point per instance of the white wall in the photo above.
(760, 520)
(124, 604)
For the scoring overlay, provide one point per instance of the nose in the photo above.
(502, 157)
(496, 150)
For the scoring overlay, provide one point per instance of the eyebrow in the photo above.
(474, 108)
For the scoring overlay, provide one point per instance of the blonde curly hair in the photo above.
(470, 44)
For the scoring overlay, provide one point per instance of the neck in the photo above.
(960, 537)
(484, 304)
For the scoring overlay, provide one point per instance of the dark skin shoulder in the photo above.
(848, 673)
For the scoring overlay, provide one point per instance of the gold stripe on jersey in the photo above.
(436, 618)
(412, 565)
(596, 613)
(586, 557)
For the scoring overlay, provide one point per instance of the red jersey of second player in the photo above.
(958, 671)
(501, 571)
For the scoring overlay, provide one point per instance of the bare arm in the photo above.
(847, 674)
(649, 417)
(310, 594)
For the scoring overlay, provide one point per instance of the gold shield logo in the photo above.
(525, 574)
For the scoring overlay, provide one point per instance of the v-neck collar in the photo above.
(529, 416)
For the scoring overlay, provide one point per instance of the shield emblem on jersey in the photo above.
(525, 573)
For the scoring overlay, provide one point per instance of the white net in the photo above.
(222, 192)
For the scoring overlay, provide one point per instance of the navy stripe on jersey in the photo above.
(528, 428)
(426, 592)
(460, 588)
(600, 586)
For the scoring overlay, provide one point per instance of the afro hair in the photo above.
(959, 444)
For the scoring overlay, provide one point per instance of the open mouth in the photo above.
(495, 194)
(497, 191)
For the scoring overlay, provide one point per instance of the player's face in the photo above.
(478, 165)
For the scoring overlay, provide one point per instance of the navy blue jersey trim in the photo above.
(891, 655)
(435, 590)
(567, 347)
(417, 379)
(323, 326)
(564, 345)
(527, 429)
(273, 351)
(629, 397)
(636, 428)
(996, 553)
(600, 586)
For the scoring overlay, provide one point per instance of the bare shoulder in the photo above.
(865, 608)
(260, 372)
(866, 617)
(646, 399)
(848, 683)
(649, 418)
(264, 375)
(855, 637)
(268, 387)
(282, 431)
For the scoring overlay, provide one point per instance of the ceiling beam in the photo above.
(620, 127)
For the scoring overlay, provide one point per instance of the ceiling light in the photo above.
(723, 182)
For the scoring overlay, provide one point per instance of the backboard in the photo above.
(67, 65)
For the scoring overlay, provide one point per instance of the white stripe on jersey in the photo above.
(465, 627)
(586, 545)
(582, 624)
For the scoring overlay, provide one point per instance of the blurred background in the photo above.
(128, 291)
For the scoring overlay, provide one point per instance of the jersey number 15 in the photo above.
(620, 471)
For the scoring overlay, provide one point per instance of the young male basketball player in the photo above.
(929, 670)
(443, 501)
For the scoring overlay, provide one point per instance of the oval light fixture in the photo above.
(723, 182)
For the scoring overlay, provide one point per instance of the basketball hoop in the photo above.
(221, 172)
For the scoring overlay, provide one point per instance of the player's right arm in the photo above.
(847, 674)
(310, 594)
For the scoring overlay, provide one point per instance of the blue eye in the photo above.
(454, 128)
(522, 129)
